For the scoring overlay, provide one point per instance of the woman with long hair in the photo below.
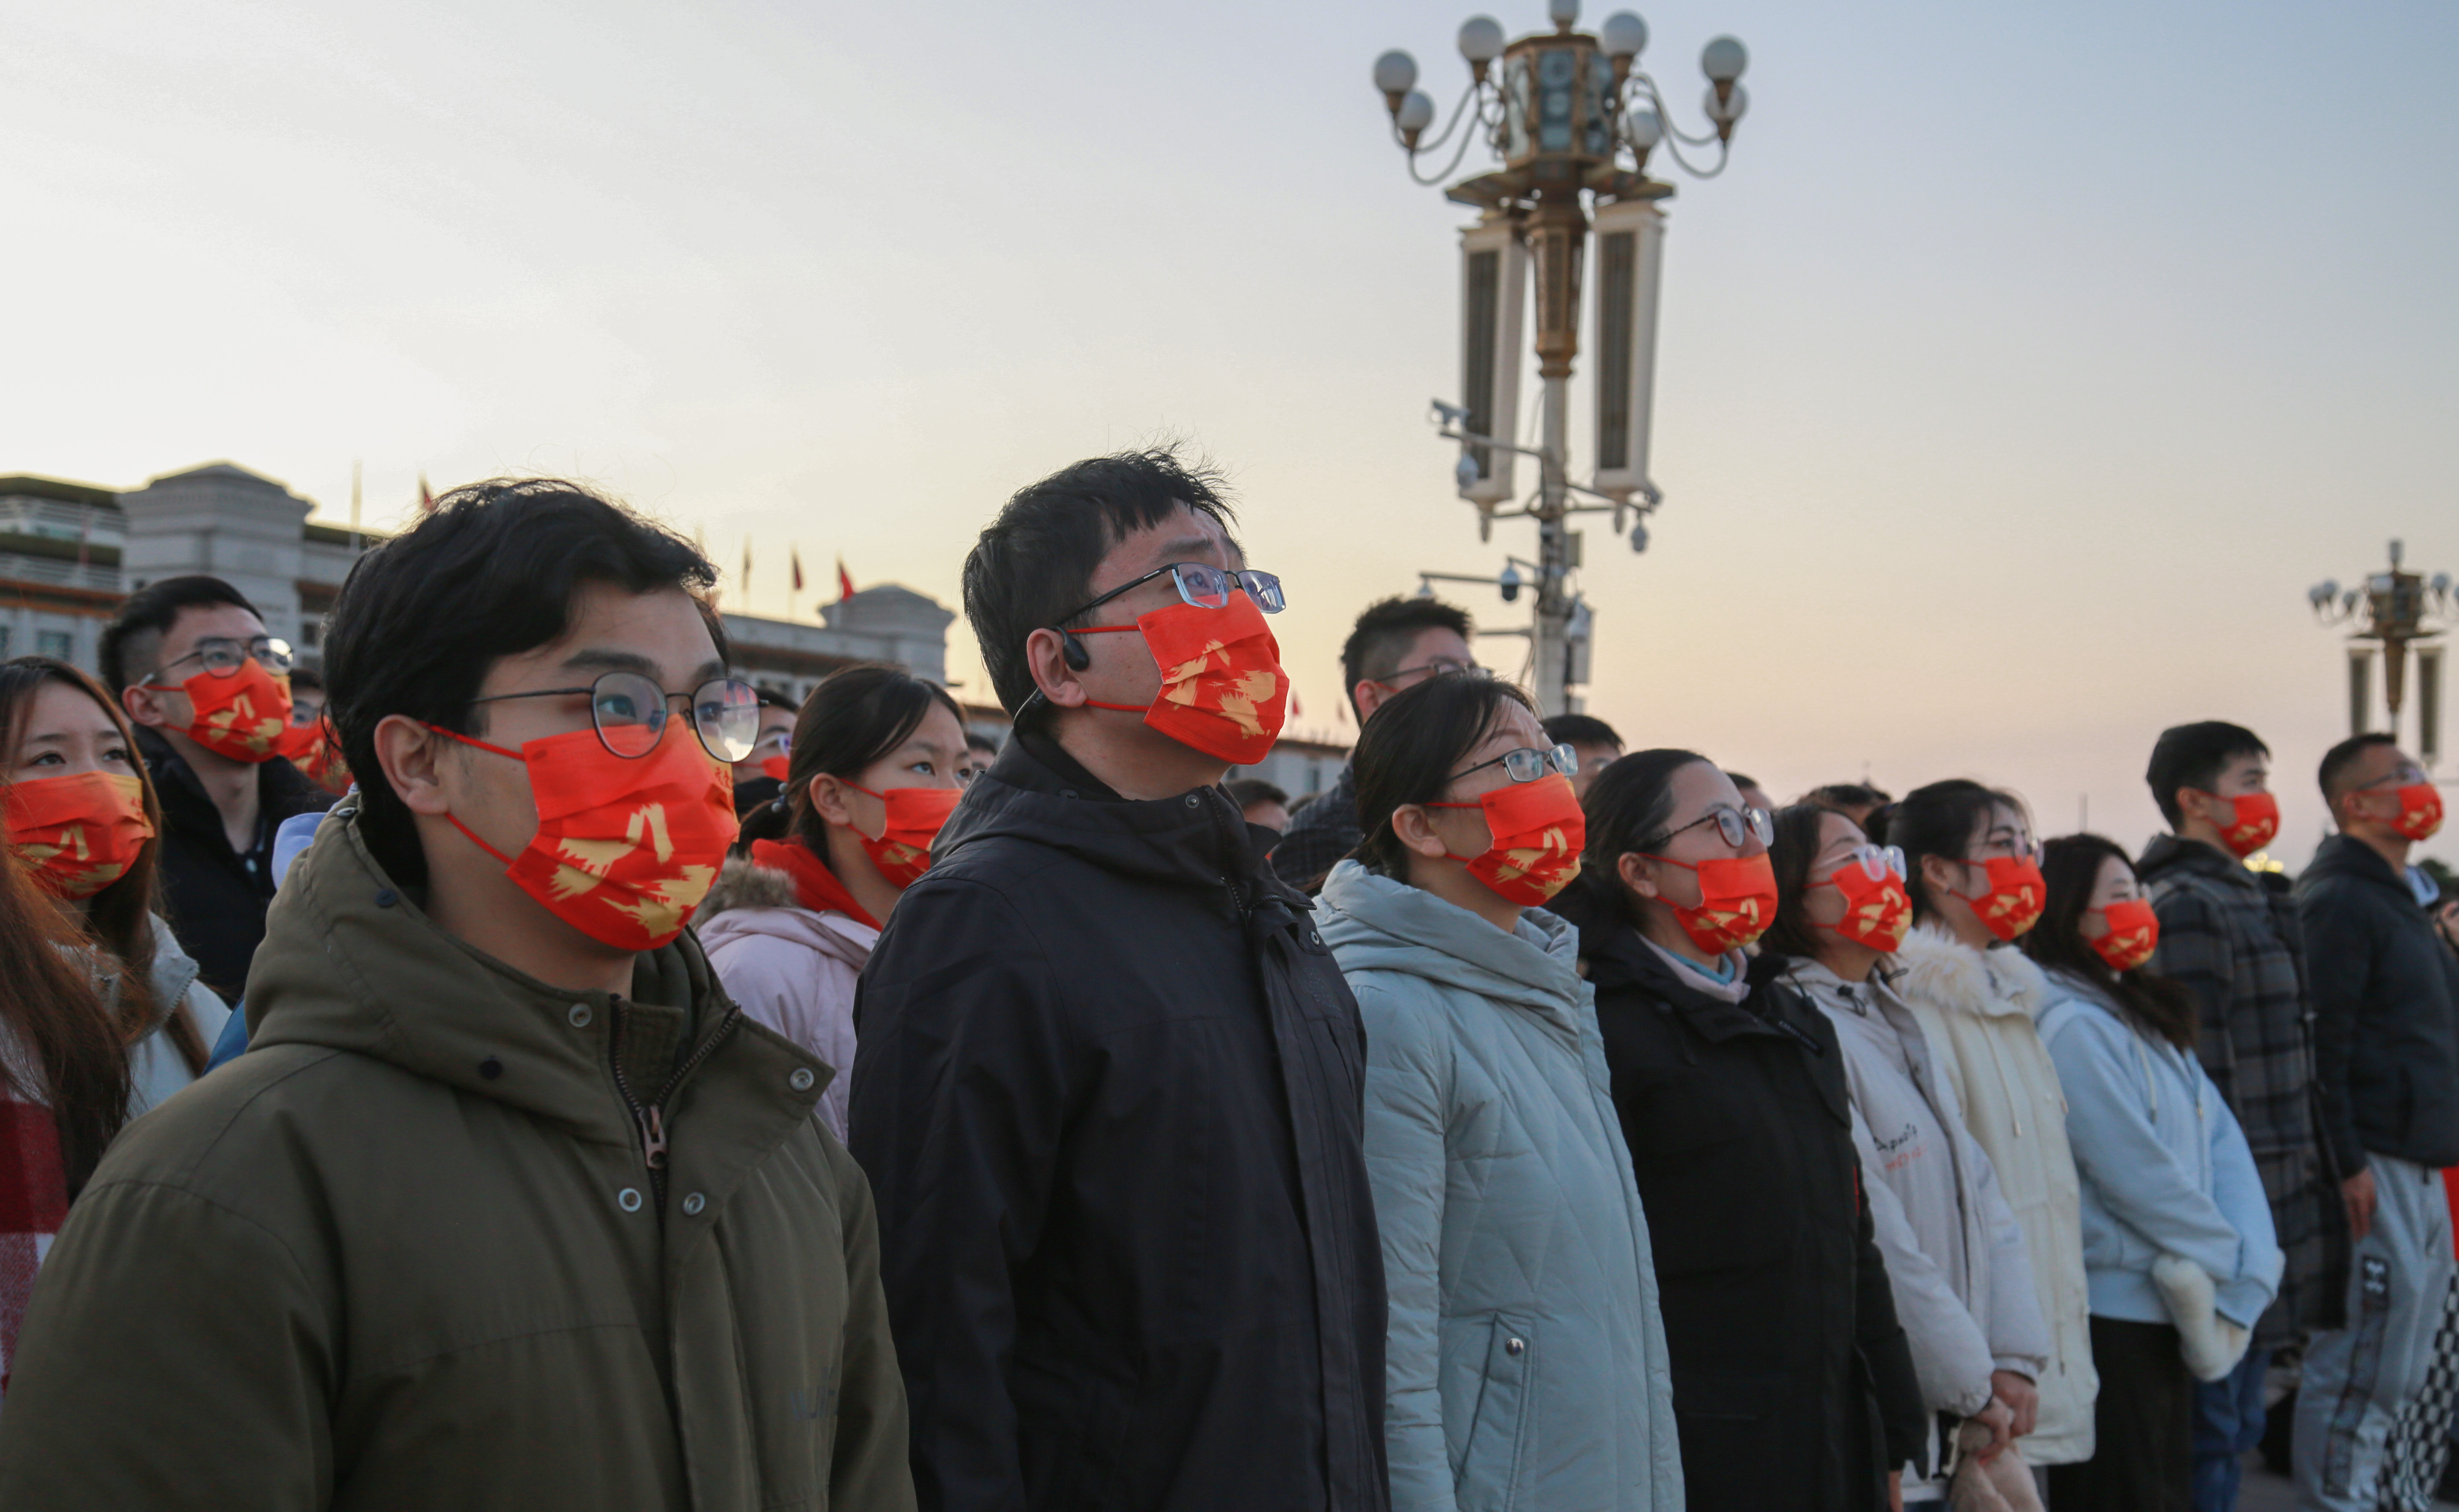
(2178, 1240)
(1973, 870)
(1792, 1381)
(1955, 1260)
(63, 1084)
(82, 814)
(1526, 1360)
(872, 774)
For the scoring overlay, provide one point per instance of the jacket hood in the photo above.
(351, 962)
(1194, 840)
(2348, 857)
(1937, 968)
(759, 901)
(1373, 923)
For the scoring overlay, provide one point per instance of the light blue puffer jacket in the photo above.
(1526, 1360)
(2165, 1170)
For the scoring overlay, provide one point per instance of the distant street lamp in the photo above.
(1572, 118)
(2394, 610)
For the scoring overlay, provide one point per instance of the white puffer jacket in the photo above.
(1976, 1008)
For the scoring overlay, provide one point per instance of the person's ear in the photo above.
(1942, 876)
(828, 800)
(1414, 829)
(1636, 873)
(412, 756)
(144, 706)
(1045, 657)
(1368, 694)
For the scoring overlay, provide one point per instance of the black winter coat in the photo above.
(1792, 1385)
(214, 896)
(2386, 1010)
(1110, 1096)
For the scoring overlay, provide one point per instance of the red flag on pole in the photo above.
(845, 581)
(747, 572)
(794, 555)
(426, 497)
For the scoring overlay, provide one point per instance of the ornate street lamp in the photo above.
(2394, 610)
(1573, 119)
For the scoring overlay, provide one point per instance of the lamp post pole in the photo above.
(2395, 610)
(1567, 112)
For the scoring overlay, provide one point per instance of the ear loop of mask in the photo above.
(453, 819)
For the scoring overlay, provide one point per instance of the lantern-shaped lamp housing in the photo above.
(1558, 102)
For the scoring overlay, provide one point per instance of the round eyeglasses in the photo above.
(223, 656)
(1736, 825)
(1527, 763)
(630, 713)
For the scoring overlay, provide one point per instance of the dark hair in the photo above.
(1409, 757)
(132, 644)
(47, 1002)
(1849, 795)
(860, 715)
(1937, 820)
(1032, 565)
(1740, 780)
(1248, 791)
(1795, 848)
(491, 573)
(307, 678)
(2337, 761)
(1384, 633)
(1581, 729)
(1627, 807)
(975, 740)
(2194, 756)
(119, 919)
(2071, 863)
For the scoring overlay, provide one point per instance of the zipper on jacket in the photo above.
(650, 1118)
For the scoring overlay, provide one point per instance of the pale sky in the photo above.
(2014, 382)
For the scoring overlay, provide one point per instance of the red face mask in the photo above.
(902, 853)
(2015, 898)
(2254, 819)
(626, 848)
(1223, 691)
(2420, 812)
(1737, 901)
(81, 833)
(2134, 933)
(775, 766)
(1876, 913)
(245, 716)
(1538, 830)
(315, 748)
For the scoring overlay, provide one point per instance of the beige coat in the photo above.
(1976, 1009)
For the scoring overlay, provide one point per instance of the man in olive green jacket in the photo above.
(448, 1235)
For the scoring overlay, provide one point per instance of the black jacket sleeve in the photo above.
(1885, 1352)
(958, 1096)
(2339, 965)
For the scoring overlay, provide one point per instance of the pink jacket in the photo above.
(790, 968)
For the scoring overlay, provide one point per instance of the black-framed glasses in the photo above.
(1527, 763)
(223, 655)
(1202, 586)
(630, 713)
(1736, 825)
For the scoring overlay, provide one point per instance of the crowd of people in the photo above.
(457, 1080)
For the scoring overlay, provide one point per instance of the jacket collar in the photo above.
(351, 962)
(282, 791)
(2346, 855)
(1375, 923)
(1934, 967)
(2171, 853)
(1194, 840)
(1621, 959)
